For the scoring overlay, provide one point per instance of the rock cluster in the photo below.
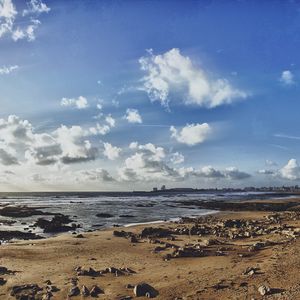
(56, 224)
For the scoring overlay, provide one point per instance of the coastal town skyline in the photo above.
(116, 96)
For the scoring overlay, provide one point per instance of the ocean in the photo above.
(122, 208)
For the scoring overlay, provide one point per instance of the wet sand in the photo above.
(187, 264)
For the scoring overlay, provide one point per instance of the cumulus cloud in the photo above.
(291, 170)
(147, 163)
(110, 120)
(10, 24)
(111, 152)
(103, 129)
(74, 145)
(133, 116)
(171, 73)
(20, 144)
(79, 103)
(36, 7)
(235, 174)
(176, 158)
(287, 78)
(150, 163)
(209, 172)
(192, 134)
(7, 70)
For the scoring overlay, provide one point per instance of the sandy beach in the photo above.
(230, 255)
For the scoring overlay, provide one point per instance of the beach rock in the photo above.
(133, 239)
(104, 215)
(264, 290)
(25, 290)
(155, 232)
(20, 212)
(95, 291)
(188, 252)
(85, 291)
(81, 271)
(79, 236)
(74, 291)
(57, 224)
(250, 271)
(126, 216)
(19, 235)
(47, 296)
(2, 281)
(144, 290)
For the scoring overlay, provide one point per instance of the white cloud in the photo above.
(173, 73)
(147, 163)
(100, 129)
(80, 102)
(270, 163)
(235, 174)
(177, 158)
(192, 134)
(150, 163)
(26, 25)
(36, 7)
(209, 172)
(111, 152)
(7, 70)
(266, 172)
(287, 77)
(110, 121)
(133, 116)
(19, 144)
(291, 170)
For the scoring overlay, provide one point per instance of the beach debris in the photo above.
(2, 281)
(144, 290)
(264, 290)
(74, 291)
(95, 291)
(85, 291)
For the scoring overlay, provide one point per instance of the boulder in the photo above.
(144, 290)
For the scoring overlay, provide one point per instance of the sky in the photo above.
(129, 95)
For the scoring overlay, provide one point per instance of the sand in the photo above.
(208, 277)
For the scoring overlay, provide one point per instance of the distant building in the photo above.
(155, 189)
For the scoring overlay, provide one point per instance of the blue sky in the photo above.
(116, 95)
